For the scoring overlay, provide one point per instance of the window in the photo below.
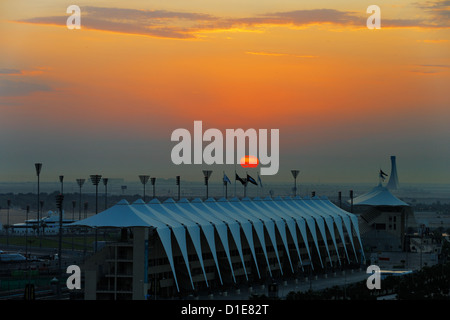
(380, 226)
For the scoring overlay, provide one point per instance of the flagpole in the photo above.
(245, 185)
(257, 189)
(235, 173)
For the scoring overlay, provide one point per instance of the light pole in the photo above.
(38, 167)
(26, 234)
(153, 180)
(295, 174)
(178, 184)
(144, 180)
(74, 203)
(85, 229)
(8, 202)
(105, 183)
(351, 198)
(80, 183)
(207, 174)
(340, 199)
(95, 179)
(61, 179)
(59, 205)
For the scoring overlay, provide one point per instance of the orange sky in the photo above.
(336, 90)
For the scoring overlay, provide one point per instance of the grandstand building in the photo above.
(179, 248)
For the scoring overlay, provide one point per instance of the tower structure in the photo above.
(393, 179)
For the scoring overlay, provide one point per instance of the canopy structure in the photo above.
(280, 225)
(379, 196)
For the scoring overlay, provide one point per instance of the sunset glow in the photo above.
(345, 98)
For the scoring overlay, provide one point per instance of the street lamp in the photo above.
(38, 167)
(8, 202)
(95, 179)
(153, 180)
(59, 205)
(74, 203)
(26, 233)
(144, 180)
(80, 184)
(340, 199)
(105, 183)
(61, 179)
(178, 184)
(351, 198)
(207, 174)
(295, 174)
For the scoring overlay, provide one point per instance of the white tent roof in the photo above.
(185, 219)
(379, 196)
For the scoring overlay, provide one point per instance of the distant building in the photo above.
(48, 225)
(393, 179)
(383, 220)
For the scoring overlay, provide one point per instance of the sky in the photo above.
(105, 99)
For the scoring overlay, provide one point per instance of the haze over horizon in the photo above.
(105, 99)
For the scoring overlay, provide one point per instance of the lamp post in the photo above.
(340, 199)
(153, 180)
(295, 174)
(61, 179)
(8, 202)
(59, 205)
(86, 205)
(105, 183)
(74, 203)
(95, 179)
(26, 234)
(38, 167)
(85, 229)
(144, 180)
(351, 198)
(80, 183)
(207, 174)
(178, 184)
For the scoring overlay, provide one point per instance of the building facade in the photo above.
(179, 248)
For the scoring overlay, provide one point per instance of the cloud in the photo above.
(18, 72)
(430, 68)
(6, 71)
(155, 23)
(188, 25)
(20, 88)
(275, 54)
(435, 65)
(434, 41)
(439, 10)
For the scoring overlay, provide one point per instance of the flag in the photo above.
(251, 180)
(259, 180)
(225, 178)
(243, 181)
(382, 174)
